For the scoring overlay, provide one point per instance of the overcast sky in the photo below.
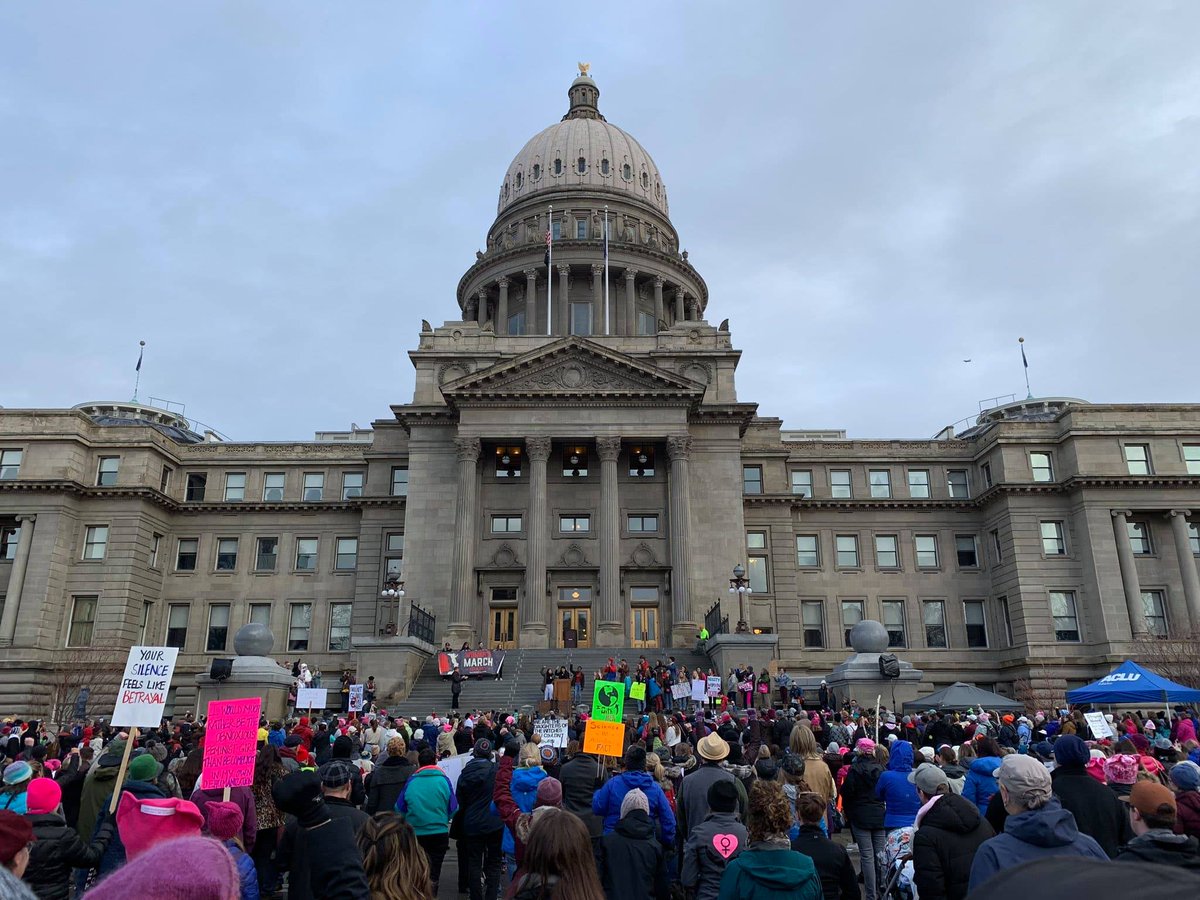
(273, 195)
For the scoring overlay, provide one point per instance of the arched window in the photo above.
(506, 190)
(519, 180)
(646, 180)
(581, 165)
(557, 166)
(627, 172)
(604, 166)
(537, 172)
(657, 186)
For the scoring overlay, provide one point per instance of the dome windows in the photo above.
(520, 180)
(604, 168)
(558, 167)
(581, 165)
(627, 172)
(536, 173)
(657, 187)
(645, 180)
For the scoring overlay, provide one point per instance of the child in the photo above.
(630, 857)
(225, 824)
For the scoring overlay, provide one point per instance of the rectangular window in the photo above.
(185, 555)
(808, 551)
(83, 621)
(973, 612)
(813, 615)
(177, 625)
(1191, 456)
(887, 554)
(986, 471)
(106, 472)
(155, 543)
(260, 614)
(299, 625)
(273, 483)
(756, 571)
(852, 614)
(1042, 466)
(399, 481)
(506, 524)
(394, 562)
(642, 524)
(568, 524)
(352, 485)
(197, 483)
(347, 555)
(95, 542)
(10, 537)
(934, 612)
(306, 554)
(10, 464)
(227, 554)
(752, 482)
(967, 549)
(802, 482)
(997, 550)
(581, 229)
(235, 487)
(1139, 538)
(893, 621)
(756, 540)
(314, 487)
(1156, 613)
(959, 485)
(927, 551)
(641, 462)
(581, 318)
(1054, 541)
(847, 551)
(556, 228)
(1194, 538)
(339, 626)
(918, 484)
(881, 483)
(839, 483)
(1137, 459)
(1006, 617)
(266, 554)
(575, 462)
(646, 323)
(516, 323)
(1066, 619)
(218, 628)
(164, 479)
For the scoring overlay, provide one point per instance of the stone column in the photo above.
(610, 627)
(680, 294)
(630, 326)
(597, 298)
(481, 307)
(683, 623)
(1129, 577)
(502, 307)
(658, 302)
(462, 577)
(532, 305)
(534, 630)
(1187, 564)
(692, 309)
(562, 301)
(469, 309)
(16, 581)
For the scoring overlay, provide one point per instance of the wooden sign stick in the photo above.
(116, 795)
(225, 795)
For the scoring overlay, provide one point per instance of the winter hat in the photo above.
(1141, 742)
(1071, 750)
(483, 749)
(1095, 768)
(336, 773)
(548, 754)
(144, 768)
(766, 769)
(635, 799)
(549, 792)
(1121, 769)
(1043, 751)
(144, 823)
(191, 868)
(52, 765)
(224, 819)
(865, 746)
(15, 773)
(928, 753)
(1186, 776)
(42, 796)
(342, 747)
(722, 796)
(15, 834)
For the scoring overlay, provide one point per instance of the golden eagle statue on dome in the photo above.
(583, 68)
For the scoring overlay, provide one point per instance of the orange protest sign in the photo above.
(604, 738)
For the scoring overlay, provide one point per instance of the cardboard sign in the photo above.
(714, 686)
(698, 690)
(231, 742)
(608, 701)
(142, 694)
(311, 698)
(553, 731)
(356, 698)
(681, 691)
(604, 738)
(637, 690)
(453, 766)
(1099, 725)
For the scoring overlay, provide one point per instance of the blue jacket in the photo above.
(524, 793)
(899, 796)
(427, 801)
(1036, 834)
(979, 785)
(247, 874)
(276, 737)
(607, 803)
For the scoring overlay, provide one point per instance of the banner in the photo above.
(1099, 725)
(230, 743)
(311, 698)
(681, 691)
(698, 690)
(604, 738)
(608, 701)
(637, 690)
(553, 731)
(714, 686)
(142, 694)
(356, 698)
(471, 662)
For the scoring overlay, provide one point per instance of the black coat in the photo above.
(1097, 810)
(581, 776)
(324, 862)
(385, 783)
(944, 847)
(474, 791)
(1159, 846)
(630, 859)
(56, 850)
(838, 878)
(863, 809)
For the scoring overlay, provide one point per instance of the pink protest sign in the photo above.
(230, 743)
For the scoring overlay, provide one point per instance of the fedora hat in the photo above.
(712, 747)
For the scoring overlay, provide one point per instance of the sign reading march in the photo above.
(230, 742)
(608, 701)
(142, 694)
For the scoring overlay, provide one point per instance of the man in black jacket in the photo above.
(330, 865)
(387, 779)
(630, 861)
(865, 813)
(947, 836)
(838, 879)
(581, 776)
(1097, 810)
(482, 829)
(1152, 809)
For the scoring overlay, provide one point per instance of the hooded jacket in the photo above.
(607, 802)
(1033, 834)
(898, 794)
(581, 776)
(944, 845)
(386, 782)
(864, 809)
(1159, 845)
(97, 787)
(766, 872)
(427, 802)
(57, 849)
(1097, 811)
(514, 788)
(956, 775)
(1187, 813)
(980, 784)
(838, 878)
(703, 865)
(630, 862)
(474, 790)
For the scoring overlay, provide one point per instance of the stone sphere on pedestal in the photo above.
(254, 639)
(869, 636)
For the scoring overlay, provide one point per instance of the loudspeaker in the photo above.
(889, 666)
(221, 669)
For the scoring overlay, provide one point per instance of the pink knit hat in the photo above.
(224, 819)
(1121, 769)
(864, 745)
(144, 823)
(42, 796)
(190, 868)
(1095, 768)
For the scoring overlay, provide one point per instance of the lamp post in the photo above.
(393, 589)
(739, 584)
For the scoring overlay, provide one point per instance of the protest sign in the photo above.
(1099, 725)
(714, 686)
(698, 690)
(453, 766)
(681, 691)
(604, 738)
(553, 731)
(608, 701)
(310, 698)
(637, 690)
(142, 694)
(356, 698)
(230, 743)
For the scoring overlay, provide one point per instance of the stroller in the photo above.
(898, 872)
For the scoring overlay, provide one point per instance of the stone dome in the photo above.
(583, 151)
(869, 636)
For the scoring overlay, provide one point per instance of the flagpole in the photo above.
(1025, 362)
(549, 268)
(607, 327)
(137, 380)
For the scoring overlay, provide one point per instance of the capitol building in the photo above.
(575, 467)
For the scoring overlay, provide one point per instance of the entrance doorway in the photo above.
(575, 620)
(502, 629)
(643, 631)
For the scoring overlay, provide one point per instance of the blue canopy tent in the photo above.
(1130, 684)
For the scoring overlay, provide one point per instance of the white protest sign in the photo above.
(453, 766)
(1099, 725)
(553, 731)
(698, 690)
(310, 698)
(142, 694)
(356, 698)
(681, 691)
(714, 685)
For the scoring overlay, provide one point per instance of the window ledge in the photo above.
(850, 569)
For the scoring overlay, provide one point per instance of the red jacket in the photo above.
(1187, 813)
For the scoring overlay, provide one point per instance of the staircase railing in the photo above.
(422, 624)
(715, 622)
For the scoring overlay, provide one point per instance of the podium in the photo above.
(562, 696)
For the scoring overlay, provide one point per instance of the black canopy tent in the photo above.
(960, 696)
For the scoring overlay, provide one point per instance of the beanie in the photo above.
(865, 746)
(549, 792)
(15, 833)
(142, 823)
(1071, 750)
(635, 799)
(15, 773)
(224, 819)
(144, 767)
(42, 796)
(723, 796)
(1121, 769)
(189, 868)
(1186, 776)
(1095, 768)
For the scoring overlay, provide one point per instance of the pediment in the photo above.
(572, 368)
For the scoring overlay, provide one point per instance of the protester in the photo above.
(17, 776)
(1097, 811)
(632, 863)
(949, 832)
(838, 879)
(318, 851)
(769, 868)
(896, 790)
(558, 862)
(608, 799)
(710, 844)
(515, 792)
(225, 822)
(57, 847)
(803, 743)
(482, 830)
(428, 803)
(865, 813)
(1185, 781)
(581, 776)
(388, 778)
(691, 800)
(16, 835)
(186, 867)
(980, 784)
(1152, 809)
(268, 769)
(395, 865)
